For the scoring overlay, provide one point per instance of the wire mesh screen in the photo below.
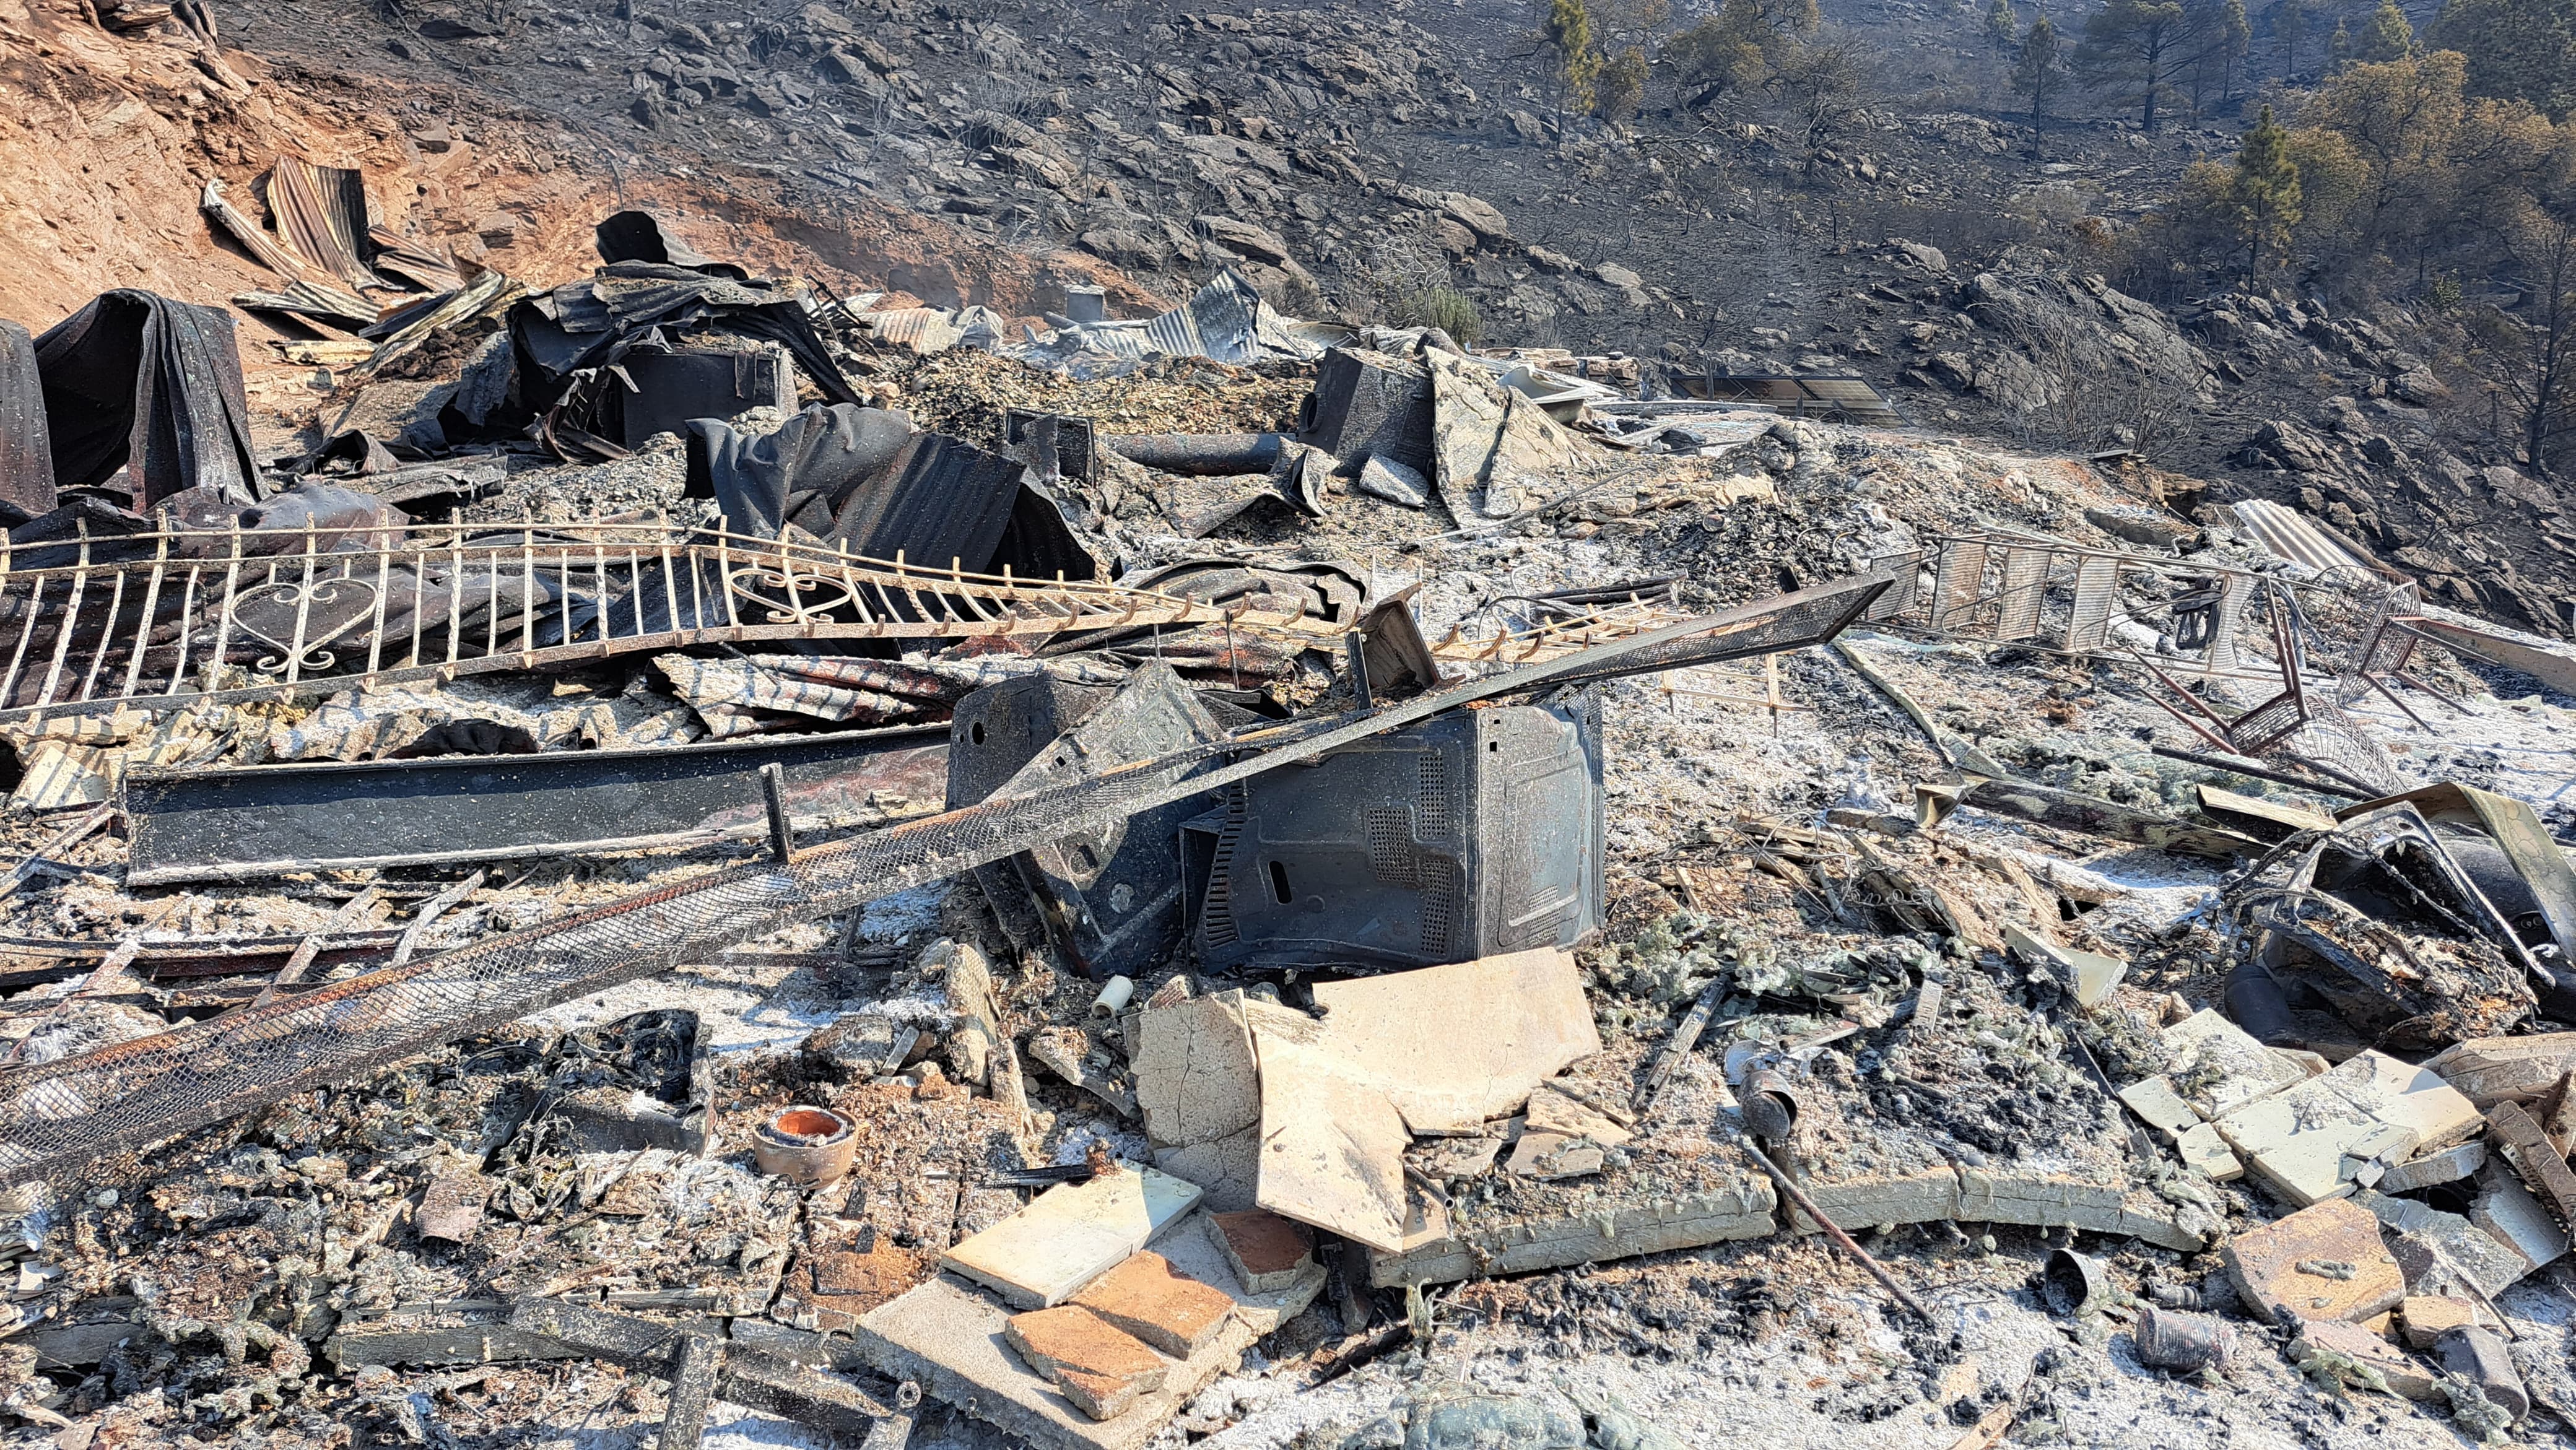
(57, 1117)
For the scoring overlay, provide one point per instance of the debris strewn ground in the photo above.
(696, 869)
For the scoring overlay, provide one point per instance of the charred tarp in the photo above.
(26, 447)
(865, 478)
(567, 346)
(150, 389)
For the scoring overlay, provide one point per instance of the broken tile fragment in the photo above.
(2319, 1138)
(2506, 1210)
(2490, 1070)
(2543, 1168)
(2205, 1152)
(2426, 1170)
(1552, 1155)
(2321, 1263)
(1072, 1234)
(2443, 1253)
(2350, 1347)
(1170, 1311)
(1068, 1340)
(2426, 1317)
(1268, 1252)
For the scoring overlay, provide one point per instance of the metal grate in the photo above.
(1390, 845)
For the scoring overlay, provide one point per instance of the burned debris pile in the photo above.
(1095, 882)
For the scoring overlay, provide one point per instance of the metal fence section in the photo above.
(177, 617)
(57, 1117)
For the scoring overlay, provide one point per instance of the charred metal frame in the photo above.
(178, 617)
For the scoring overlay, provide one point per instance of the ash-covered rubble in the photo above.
(1235, 875)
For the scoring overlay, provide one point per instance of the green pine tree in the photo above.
(2264, 191)
(1578, 58)
(2388, 36)
(2339, 48)
(2002, 28)
(2516, 49)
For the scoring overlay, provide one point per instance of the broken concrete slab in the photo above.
(1552, 1155)
(2426, 1170)
(2219, 1067)
(1332, 1144)
(1647, 1224)
(1552, 1111)
(2311, 1141)
(1384, 477)
(1267, 1251)
(2507, 1210)
(1444, 1159)
(1071, 1234)
(948, 1336)
(1495, 452)
(2321, 1263)
(1169, 1310)
(2443, 1253)
(2490, 1070)
(1401, 1032)
(2425, 1318)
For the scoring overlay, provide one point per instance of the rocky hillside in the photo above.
(1356, 163)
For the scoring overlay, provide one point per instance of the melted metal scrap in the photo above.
(2378, 918)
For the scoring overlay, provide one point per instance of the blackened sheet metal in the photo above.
(806, 469)
(26, 446)
(640, 236)
(671, 388)
(135, 380)
(261, 821)
(1470, 835)
(1111, 895)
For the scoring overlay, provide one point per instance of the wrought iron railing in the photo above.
(171, 618)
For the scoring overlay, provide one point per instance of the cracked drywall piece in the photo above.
(1332, 1147)
(1455, 1046)
(1197, 1080)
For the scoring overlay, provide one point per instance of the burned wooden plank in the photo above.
(2094, 816)
(251, 822)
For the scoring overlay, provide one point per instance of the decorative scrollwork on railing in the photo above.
(809, 596)
(329, 610)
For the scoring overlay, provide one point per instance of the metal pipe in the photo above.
(1200, 454)
(1808, 1207)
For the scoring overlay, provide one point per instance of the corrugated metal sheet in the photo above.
(321, 214)
(2302, 540)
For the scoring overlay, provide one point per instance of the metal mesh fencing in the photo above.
(57, 1117)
